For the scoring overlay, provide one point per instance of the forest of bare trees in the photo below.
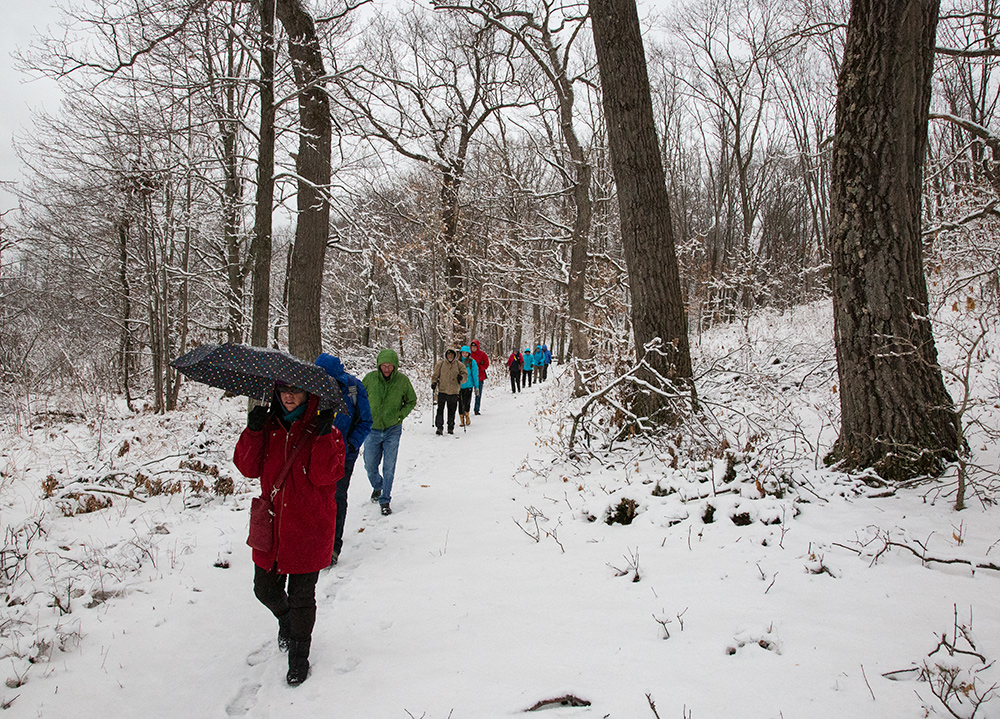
(339, 176)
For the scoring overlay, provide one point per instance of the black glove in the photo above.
(324, 422)
(256, 418)
(434, 386)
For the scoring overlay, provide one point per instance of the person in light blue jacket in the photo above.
(529, 365)
(470, 385)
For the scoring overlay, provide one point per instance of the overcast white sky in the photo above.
(18, 21)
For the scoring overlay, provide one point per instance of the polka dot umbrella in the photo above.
(253, 371)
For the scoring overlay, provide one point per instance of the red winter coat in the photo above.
(481, 359)
(305, 508)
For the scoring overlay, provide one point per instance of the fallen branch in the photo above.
(565, 701)
(923, 557)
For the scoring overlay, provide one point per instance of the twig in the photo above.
(652, 705)
(866, 682)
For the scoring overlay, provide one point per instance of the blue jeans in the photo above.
(382, 445)
(479, 394)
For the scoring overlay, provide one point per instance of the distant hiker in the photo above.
(529, 364)
(514, 365)
(483, 361)
(447, 378)
(391, 398)
(546, 361)
(469, 385)
(354, 425)
(299, 457)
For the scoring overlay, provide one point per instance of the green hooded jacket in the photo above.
(390, 399)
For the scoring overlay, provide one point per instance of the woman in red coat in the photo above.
(305, 510)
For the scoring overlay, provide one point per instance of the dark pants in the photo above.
(342, 486)
(526, 379)
(515, 381)
(451, 400)
(298, 604)
(465, 400)
(545, 373)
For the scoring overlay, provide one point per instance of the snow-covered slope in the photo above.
(495, 586)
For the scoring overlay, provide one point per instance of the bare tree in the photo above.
(312, 167)
(896, 415)
(547, 31)
(425, 85)
(658, 312)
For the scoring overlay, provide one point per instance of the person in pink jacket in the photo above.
(305, 510)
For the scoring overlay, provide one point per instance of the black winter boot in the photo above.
(298, 662)
(283, 633)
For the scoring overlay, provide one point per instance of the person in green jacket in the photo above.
(391, 398)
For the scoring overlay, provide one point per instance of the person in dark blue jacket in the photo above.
(546, 361)
(354, 426)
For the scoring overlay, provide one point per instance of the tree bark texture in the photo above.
(312, 165)
(262, 246)
(896, 415)
(644, 205)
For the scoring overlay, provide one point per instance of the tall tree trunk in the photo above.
(232, 192)
(261, 251)
(454, 279)
(305, 283)
(644, 206)
(896, 415)
(125, 348)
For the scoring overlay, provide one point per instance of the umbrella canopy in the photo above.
(253, 371)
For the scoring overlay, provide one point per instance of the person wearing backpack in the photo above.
(514, 365)
(470, 385)
(529, 365)
(447, 379)
(483, 360)
(354, 426)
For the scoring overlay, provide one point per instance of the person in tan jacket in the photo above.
(447, 379)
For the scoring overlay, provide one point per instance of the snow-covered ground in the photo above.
(497, 585)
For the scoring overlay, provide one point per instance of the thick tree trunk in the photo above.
(261, 251)
(896, 415)
(305, 284)
(644, 206)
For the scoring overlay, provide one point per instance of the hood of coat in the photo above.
(450, 351)
(333, 366)
(465, 348)
(474, 345)
(387, 356)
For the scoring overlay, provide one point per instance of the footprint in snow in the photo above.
(244, 700)
(262, 653)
